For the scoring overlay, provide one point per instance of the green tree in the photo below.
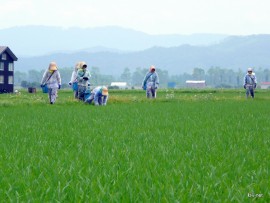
(239, 77)
(24, 84)
(266, 73)
(19, 77)
(65, 74)
(163, 77)
(126, 76)
(35, 76)
(138, 76)
(198, 74)
(95, 76)
(106, 80)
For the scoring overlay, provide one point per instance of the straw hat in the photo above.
(152, 68)
(52, 66)
(83, 64)
(104, 91)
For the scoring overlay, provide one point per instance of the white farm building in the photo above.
(121, 85)
(195, 83)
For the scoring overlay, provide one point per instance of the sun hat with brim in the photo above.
(83, 64)
(152, 68)
(53, 67)
(104, 91)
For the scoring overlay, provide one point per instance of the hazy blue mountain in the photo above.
(233, 52)
(41, 40)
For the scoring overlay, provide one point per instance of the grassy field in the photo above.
(185, 146)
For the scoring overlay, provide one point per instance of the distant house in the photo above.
(195, 83)
(265, 85)
(120, 85)
(7, 59)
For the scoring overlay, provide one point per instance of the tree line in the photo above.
(215, 77)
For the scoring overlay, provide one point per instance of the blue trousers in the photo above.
(151, 92)
(81, 91)
(52, 93)
(250, 90)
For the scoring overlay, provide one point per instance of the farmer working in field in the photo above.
(151, 82)
(73, 80)
(100, 96)
(250, 82)
(52, 79)
(83, 76)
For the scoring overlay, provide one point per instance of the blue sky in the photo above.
(235, 17)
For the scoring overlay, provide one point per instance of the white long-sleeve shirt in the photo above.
(54, 81)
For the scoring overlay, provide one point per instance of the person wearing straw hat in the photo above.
(83, 77)
(250, 83)
(100, 96)
(73, 80)
(52, 78)
(151, 82)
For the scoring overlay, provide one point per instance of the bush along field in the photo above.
(184, 146)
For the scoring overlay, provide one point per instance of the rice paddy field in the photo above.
(184, 146)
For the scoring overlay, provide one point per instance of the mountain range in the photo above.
(112, 49)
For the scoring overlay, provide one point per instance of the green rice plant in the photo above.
(213, 147)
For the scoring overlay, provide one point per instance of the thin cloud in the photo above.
(151, 16)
